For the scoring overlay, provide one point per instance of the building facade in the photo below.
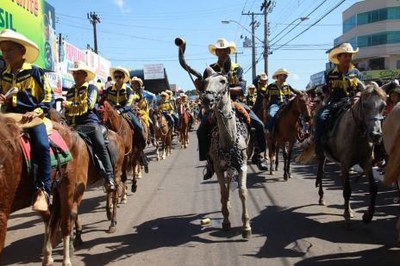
(374, 27)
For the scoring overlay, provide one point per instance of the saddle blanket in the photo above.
(59, 151)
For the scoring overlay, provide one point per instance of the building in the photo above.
(374, 27)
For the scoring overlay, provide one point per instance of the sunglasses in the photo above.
(118, 76)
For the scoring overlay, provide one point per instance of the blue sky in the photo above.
(133, 33)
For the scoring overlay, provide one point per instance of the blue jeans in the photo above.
(176, 119)
(41, 156)
(321, 124)
(259, 127)
(138, 137)
(170, 118)
(273, 109)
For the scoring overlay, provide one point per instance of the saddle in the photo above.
(241, 112)
(337, 110)
(59, 152)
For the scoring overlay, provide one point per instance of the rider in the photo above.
(278, 93)
(173, 113)
(251, 96)
(33, 99)
(341, 82)
(260, 83)
(222, 49)
(140, 101)
(80, 111)
(167, 108)
(121, 97)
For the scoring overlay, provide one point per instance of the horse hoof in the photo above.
(139, 176)
(158, 158)
(246, 234)
(108, 211)
(133, 188)
(67, 263)
(226, 226)
(48, 262)
(146, 169)
(124, 201)
(112, 229)
(322, 202)
(271, 172)
(77, 242)
(367, 218)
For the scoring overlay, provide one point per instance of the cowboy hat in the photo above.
(344, 48)
(138, 80)
(251, 87)
(280, 71)
(169, 92)
(263, 76)
(184, 96)
(31, 49)
(164, 94)
(80, 66)
(222, 44)
(122, 70)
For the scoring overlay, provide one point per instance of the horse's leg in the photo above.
(124, 178)
(277, 156)
(246, 229)
(348, 212)
(157, 150)
(318, 180)
(271, 155)
(134, 177)
(78, 232)
(226, 224)
(289, 156)
(373, 190)
(113, 224)
(285, 159)
(47, 245)
(108, 206)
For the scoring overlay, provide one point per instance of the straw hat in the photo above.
(164, 94)
(251, 87)
(344, 48)
(169, 92)
(280, 71)
(122, 70)
(263, 76)
(80, 66)
(184, 96)
(222, 44)
(139, 80)
(32, 50)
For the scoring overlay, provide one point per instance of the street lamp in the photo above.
(253, 37)
(290, 24)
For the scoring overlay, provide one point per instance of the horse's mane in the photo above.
(374, 88)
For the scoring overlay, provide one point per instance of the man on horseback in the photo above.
(277, 94)
(260, 83)
(342, 82)
(166, 107)
(121, 97)
(81, 114)
(33, 99)
(222, 49)
(251, 96)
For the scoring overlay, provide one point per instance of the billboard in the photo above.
(36, 20)
(100, 65)
(153, 71)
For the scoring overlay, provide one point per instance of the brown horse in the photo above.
(82, 172)
(139, 153)
(183, 125)
(111, 119)
(286, 132)
(163, 134)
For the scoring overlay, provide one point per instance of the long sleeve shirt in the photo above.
(121, 98)
(80, 105)
(34, 92)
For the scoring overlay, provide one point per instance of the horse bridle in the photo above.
(359, 121)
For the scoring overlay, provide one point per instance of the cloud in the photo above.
(119, 3)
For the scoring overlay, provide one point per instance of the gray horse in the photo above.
(351, 143)
(229, 140)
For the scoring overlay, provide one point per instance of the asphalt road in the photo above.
(160, 224)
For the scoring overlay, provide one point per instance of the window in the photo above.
(349, 23)
(389, 37)
(377, 63)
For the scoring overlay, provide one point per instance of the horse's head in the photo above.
(302, 105)
(106, 112)
(216, 88)
(371, 105)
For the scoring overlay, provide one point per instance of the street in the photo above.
(160, 224)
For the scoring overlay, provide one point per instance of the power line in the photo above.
(321, 18)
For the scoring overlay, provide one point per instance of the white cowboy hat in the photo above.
(169, 92)
(222, 44)
(122, 70)
(263, 76)
(80, 66)
(251, 87)
(164, 94)
(184, 96)
(31, 49)
(280, 71)
(139, 80)
(344, 48)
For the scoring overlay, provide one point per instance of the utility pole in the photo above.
(265, 7)
(253, 25)
(94, 19)
(60, 42)
(236, 53)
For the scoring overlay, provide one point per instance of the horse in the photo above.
(229, 138)
(286, 130)
(163, 134)
(183, 125)
(391, 141)
(84, 171)
(351, 142)
(117, 123)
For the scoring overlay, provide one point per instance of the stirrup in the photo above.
(40, 201)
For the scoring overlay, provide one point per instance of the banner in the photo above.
(100, 65)
(153, 71)
(36, 20)
(381, 74)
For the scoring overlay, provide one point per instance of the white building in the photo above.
(374, 27)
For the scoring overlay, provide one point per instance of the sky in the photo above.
(132, 33)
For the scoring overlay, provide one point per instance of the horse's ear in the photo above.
(210, 71)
